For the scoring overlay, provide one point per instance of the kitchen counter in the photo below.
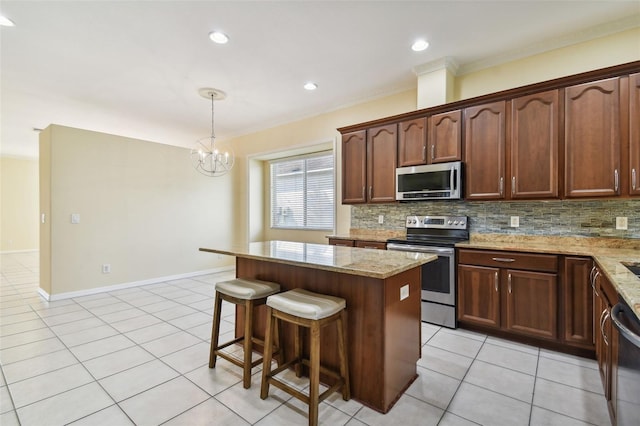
(608, 253)
(382, 291)
(380, 236)
(369, 263)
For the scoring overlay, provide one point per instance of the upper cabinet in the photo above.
(369, 165)
(382, 143)
(592, 139)
(534, 146)
(354, 167)
(445, 137)
(484, 145)
(412, 142)
(634, 134)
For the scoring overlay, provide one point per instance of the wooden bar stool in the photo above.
(248, 293)
(313, 311)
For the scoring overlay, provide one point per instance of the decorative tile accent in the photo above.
(556, 217)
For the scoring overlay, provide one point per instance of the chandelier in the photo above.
(209, 157)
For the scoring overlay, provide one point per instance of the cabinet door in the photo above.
(382, 144)
(412, 143)
(445, 137)
(634, 136)
(378, 245)
(577, 301)
(479, 295)
(341, 242)
(592, 139)
(484, 144)
(532, 303)
(534, 146)
(354, 166)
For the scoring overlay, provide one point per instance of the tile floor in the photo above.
(139, 356)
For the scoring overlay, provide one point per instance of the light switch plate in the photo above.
(75, 218)
(621, 222)
(381, 219)
(404, 291)
(515, 221)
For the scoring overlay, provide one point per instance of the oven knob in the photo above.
(449, 223)
(455, 222)
(462, 223)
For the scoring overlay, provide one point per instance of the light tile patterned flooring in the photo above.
(139, 356)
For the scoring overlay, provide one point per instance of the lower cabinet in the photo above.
(515, 292)
(577, 302)
(606, 337)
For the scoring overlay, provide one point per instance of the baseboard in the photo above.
(19, 251)
(90, 291)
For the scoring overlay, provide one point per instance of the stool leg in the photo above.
(215, 330)
(278, 342)
(248, 343)
(267, 354)
(314, 373)
(297, 347)
(342, 353)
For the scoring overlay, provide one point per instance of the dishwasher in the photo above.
(628, 391)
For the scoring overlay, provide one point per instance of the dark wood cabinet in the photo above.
(532, 303)
(592, 139)
(484, 145)
(479, 295)
(634, 134)
(341, 242)
(577, 302)
(445, 137)
(412, 143)
(534, 146)
(378, 245)
(606, 338)
(354, 167)
(515, 292)
(382, 144)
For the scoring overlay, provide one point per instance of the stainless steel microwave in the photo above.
(431, 181)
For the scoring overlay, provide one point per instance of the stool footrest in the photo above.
(302, 396)
(235, 360)
(230, 342)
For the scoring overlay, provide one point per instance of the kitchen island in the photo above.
(382, 291)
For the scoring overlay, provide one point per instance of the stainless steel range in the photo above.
(437, 235)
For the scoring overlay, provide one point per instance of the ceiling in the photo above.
(133, 68)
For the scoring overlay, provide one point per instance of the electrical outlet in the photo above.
(75, 218)
(404, 292)
(621, 223)
(381, 219)
(106, 268)
(515, 221)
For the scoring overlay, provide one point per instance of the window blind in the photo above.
(303, 193)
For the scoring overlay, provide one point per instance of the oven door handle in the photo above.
(420, 249)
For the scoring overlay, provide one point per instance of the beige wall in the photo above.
(602, 52)
(143, 209)
(18, 204)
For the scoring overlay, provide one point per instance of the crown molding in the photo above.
(447, 63)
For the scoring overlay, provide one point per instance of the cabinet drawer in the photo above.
(371, 244)
(341, 242)
(511, 260)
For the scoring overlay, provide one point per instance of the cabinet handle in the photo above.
(513, 185)
(616, 180)
(501, 185)
(433, 152)
(503, 259)
(370, 192)
(509, 281)
(604, 316)
(495, 281)
(593, 284)
(424, 152)
(633, 179)
(363, 196)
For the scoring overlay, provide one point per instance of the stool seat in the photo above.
(247, 289)
(306, 304)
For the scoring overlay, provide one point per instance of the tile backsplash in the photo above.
(593, 218)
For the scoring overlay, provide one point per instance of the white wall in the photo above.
(143, 209)
(18, 204)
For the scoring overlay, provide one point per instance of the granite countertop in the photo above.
(380, 264)
(608, 254)
(369, 235)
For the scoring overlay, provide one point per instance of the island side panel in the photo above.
(402, 333)
(365, 317)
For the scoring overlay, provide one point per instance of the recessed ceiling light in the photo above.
(6, 22)
(310, 86)
(218, 37)
(419, 45)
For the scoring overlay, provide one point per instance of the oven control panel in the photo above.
(441, 222)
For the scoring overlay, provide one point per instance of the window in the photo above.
(302, 192)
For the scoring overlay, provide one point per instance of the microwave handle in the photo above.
(454, 181)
